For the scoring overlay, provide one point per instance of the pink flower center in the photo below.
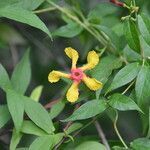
(77, 74)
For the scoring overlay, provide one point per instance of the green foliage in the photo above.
(124, 76)
(88, 110)
(15, 139)
(99, 15)
(41, 143)
(4, 79)
(16, 108)
(29, 5)
(142, 86)
(144, 26)
(24, 16)
(57, 108)
(45, 142)
(28, 127)
(32, 117)
(123, 103)
(104, 69)
(4, 115)
(131, 34)
(21, 75)
(75, 126)
(141, 144)
(36, 93)
(148, 133)
(90, 145)
(38, 115)
(70, 30)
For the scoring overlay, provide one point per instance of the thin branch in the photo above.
(85, 25)
(89, 123)
(117, 131)
(101, 134)
(124, 59)
(70, 122)
(44, 10)
(57, 146)
(128, 87)
(51, 103)
(65, 128)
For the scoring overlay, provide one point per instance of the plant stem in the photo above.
(101, 134)
(128, 87)
(84, 24)
(89, 123)
(51, 103)
(44, 10)
(117, 132)
(134, 3)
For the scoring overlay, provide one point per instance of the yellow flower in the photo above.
(77, 74)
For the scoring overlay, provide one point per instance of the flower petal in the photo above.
(72, 54)
(54, 76)
(92, 83)
(92, 61)
(73, 93)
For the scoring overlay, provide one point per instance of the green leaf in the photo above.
(142, 86)
(44, 143)
(57, 108)
(57, 138)
(89, 145)
(29, 5)
(100, 15)
(141, 144)
(26, 4)
(148, 133)
(99, 11)
(36, 93)
(132, 36)
(7, 3)
(124, 76)
(29, 127)
(131, 55)
(23, 16)
(16, 108)
(4, 79)
(15, 139)
(21, 75)
(38, 115)
(70, 30)
(145, 47)
(4, 115)
(104, 69)
(88, 110)
(144, 26)
(123, 103)
(112, 113)
(75, 126)
(111, 36)
(142, 89)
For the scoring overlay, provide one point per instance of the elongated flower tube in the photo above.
(77, 74)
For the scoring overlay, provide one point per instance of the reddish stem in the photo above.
(116, 2)
(51, 103)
